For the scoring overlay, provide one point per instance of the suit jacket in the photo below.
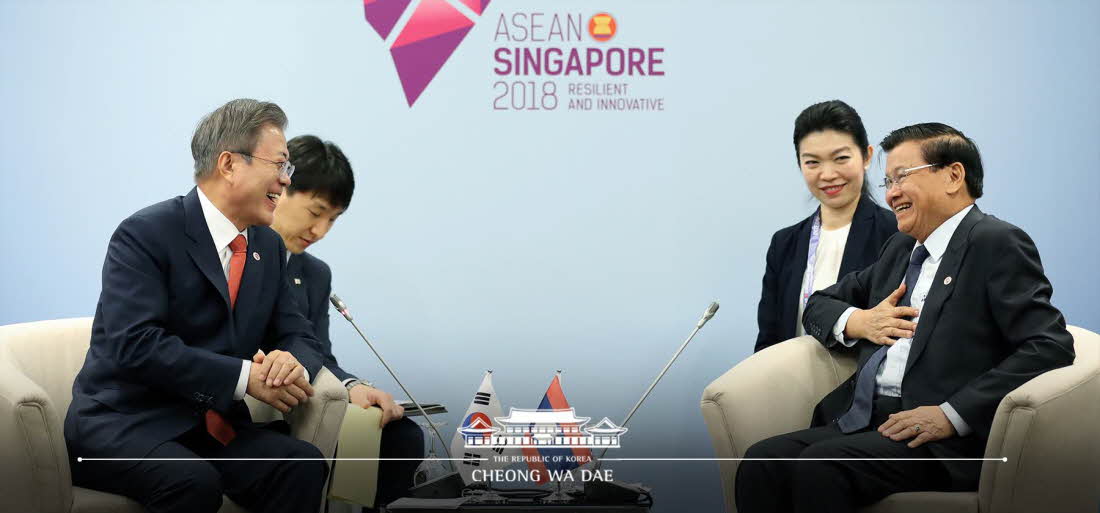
(777, 314)
(983, 333)
(311, 285)
(166, 346)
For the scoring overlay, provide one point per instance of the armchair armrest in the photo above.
(318, 421)
(769, 393)
(34, 469)
(1047, 428)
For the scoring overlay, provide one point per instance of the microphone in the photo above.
(707, 315)
(711, 310)
(444, 486)
(341, 307)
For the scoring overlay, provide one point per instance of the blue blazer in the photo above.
(777, 313)
(311, 285)
(165, 344)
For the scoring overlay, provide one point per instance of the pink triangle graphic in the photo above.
(477, 6)
(383, 14)
(427, 40)
(424, 45)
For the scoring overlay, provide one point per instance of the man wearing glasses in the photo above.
(953, 316)
(193, 288)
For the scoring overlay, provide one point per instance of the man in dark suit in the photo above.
(320, 193)
(953, 316)
(193, 287)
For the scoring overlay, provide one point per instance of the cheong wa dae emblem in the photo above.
(547, 429)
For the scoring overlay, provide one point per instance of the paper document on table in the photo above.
(429, 408)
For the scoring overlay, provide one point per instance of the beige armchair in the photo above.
(1049, 428)
(38, 363)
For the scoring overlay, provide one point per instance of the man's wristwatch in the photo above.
(355, 382)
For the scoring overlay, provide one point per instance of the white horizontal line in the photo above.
(81, 460)
(1005, 460)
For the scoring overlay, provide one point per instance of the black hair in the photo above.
(322, 169)
(943, 145)
(833, 115)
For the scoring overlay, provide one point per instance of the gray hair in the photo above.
(234, 127)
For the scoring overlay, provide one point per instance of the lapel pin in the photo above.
(947, 281)
(297, 281)
(256, 255)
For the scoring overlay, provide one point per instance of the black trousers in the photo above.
(400, 439)
(198, 485)
(834, 486)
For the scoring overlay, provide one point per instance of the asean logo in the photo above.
(602, 27)
(427, 40)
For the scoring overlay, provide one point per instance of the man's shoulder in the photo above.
(995, 233)
(156, 218)
(314, 265)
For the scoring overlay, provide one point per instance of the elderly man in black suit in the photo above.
(953, 316)
(193, 287)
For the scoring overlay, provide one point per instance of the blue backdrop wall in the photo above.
(527, 241)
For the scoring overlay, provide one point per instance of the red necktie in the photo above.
(236, 267)
(216, 425)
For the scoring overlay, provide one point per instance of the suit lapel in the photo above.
(294, 268)
(939, 292)
(202, 250)
(858, 235)
(794, 280)
(252, 280)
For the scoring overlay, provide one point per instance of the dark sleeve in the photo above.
(827, 305)
(290, 329)
(134, 310)
(1019, 296)
(767, 312)
(320, 319)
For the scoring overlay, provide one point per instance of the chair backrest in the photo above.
(50, 353)
(1047, 429)
(1086, 348)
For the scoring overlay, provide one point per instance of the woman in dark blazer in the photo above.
(845, 232)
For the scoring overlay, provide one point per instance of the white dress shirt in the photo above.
(830, 252)
(892, 369)
(223, 231)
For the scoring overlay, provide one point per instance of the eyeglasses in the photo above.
(888, 183)
(285, 167)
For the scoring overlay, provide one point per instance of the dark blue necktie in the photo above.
(859, 415)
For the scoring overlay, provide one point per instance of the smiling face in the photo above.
(303, 219)
(256, 184)
(921, 201)
(833, 166)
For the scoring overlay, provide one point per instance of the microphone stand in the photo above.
(343, 309)
(611, 492)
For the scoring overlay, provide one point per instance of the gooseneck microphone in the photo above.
(343, 309)
(707, 315)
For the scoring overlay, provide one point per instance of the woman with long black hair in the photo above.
(843, 234)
